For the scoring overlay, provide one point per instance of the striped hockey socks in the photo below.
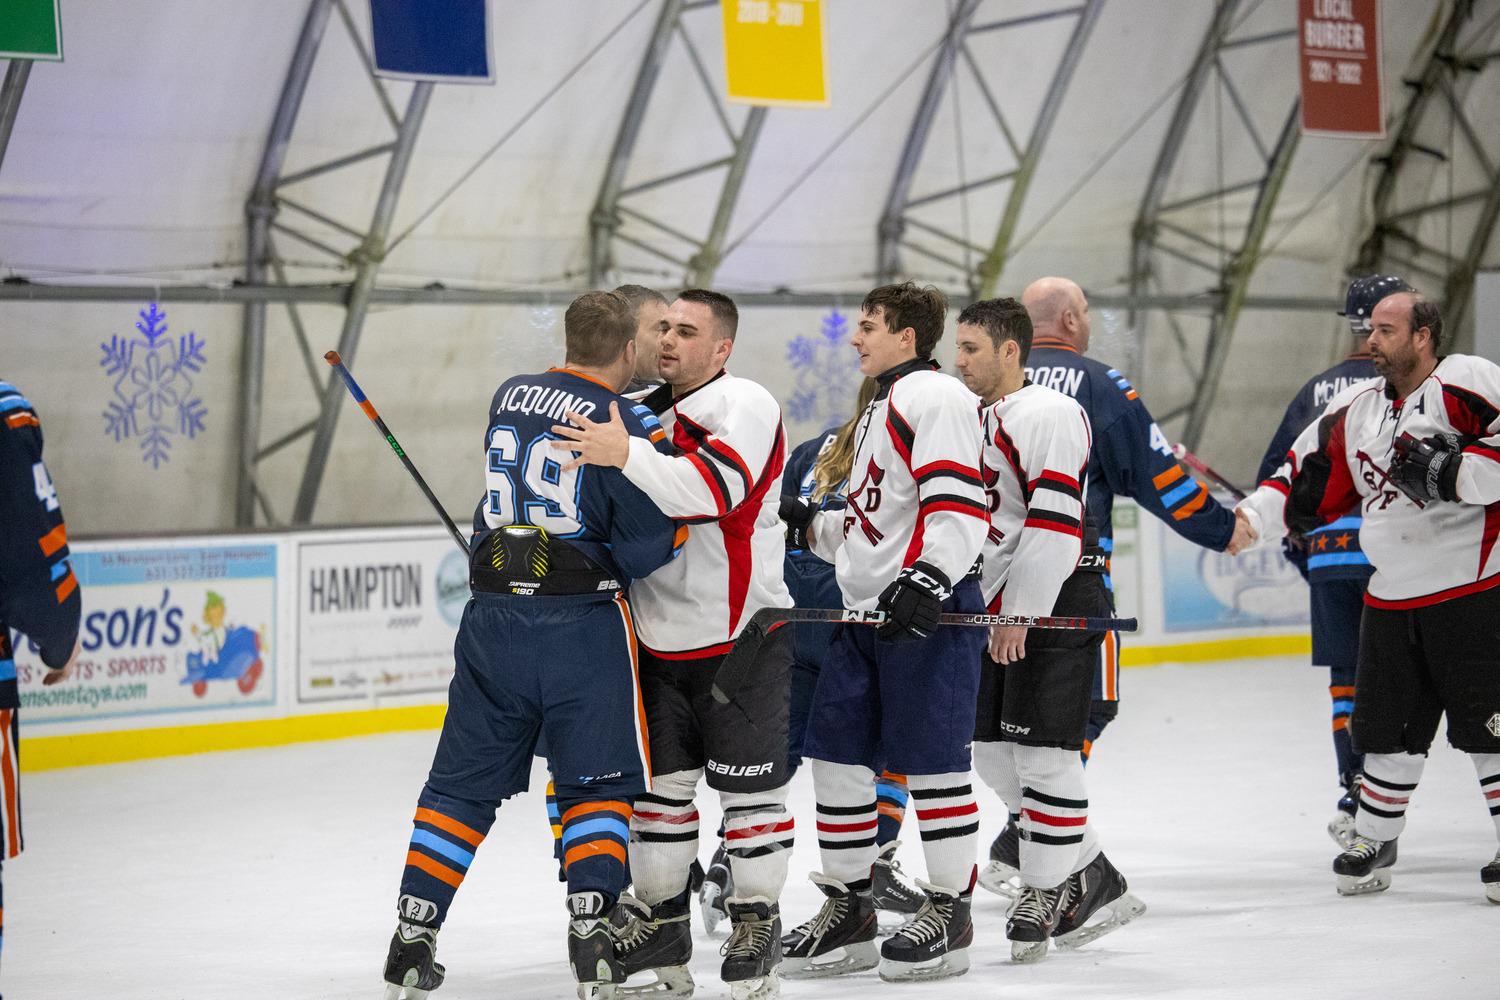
(847, 820)
(890, 802)
(948, 817)
(758, 833)
(445, 834)
(1487, 766)
(664, 836)
(594, 839)
(1385, 792)
(1056, 840)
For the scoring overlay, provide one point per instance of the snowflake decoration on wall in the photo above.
(827, 373)
(153, 386)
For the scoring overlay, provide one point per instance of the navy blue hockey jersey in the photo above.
(595, 508)
(1131, 457)
(1332, 552)
(38, 591)
(810, 580)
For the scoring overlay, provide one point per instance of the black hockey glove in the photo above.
(1427, 470)
(797, 512)
(914, 602)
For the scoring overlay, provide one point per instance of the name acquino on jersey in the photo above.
(542, 400)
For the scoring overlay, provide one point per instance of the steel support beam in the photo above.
(368, 258)
(16, 75)
(706, 261)
(1237, 279)
(991, 267)
(892, 225)
(260, 212)
(605, 218)
(1144, 232)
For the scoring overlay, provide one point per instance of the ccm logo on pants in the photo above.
(742, 771)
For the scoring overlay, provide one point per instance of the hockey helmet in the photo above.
(1364, 294)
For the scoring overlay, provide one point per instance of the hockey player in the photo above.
(650, 308)
(38, 592)
(545, 648)
(1130, 457)
(1418, 449)
(906, 544)
(726, 483)
(1330, 557)
(1040, 558)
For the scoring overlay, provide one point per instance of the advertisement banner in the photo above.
(774, 52)
(1338, 42)
(377, 616)
(164, 629)
(1213, 590)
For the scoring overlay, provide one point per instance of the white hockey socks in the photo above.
(758, 834)
(664, 836)
(847, 820)
(1384, 792)
(1487, 766)
(1054, 815)
(995, 763)
(948, 817)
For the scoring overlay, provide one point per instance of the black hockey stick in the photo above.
(332, 357)
(1201, 468)
(736, 662)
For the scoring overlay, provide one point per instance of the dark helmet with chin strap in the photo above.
(1364, 294)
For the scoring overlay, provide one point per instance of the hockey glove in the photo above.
(913, 602)
(1427, 470)
(797, 512)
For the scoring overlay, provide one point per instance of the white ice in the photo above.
(274, 872)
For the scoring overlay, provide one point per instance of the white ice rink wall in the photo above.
(211, 642)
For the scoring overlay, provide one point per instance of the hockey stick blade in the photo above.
(332, 357)
(737, 662)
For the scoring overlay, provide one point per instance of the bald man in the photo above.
(1130, 457)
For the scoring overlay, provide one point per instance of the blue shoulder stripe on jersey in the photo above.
(16, 402)
(1338, 559)
(647, 417)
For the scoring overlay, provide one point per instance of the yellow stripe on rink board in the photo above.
(44, 753)
(1216, 649)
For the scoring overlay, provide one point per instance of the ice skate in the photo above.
(935, 944)
(891, 891)
(1003, 873)
(1098, 887)
(1489, 875)
(591, 947)
(753, 950)
(410, 969)
(716, 886)
(1033, 919)
(658, 940)
(840, 939)
(1341, 827)
(1365, 867)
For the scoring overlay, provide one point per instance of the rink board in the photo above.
(234, 641)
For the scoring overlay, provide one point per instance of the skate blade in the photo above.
(1341, 829)
(1027, 952)
(855, 958)
(955, 963)
(888, 922)
(1001, 879)
(395, 992)
(1378, 880)
(1492, 891)
(756, 989)
(1121, 912)
(672, 981)
(709, 907)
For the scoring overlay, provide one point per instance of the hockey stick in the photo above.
(332, 357)
(736, 662)
(1197, 465)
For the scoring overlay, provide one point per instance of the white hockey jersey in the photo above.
(1036, 446)
(725, 482)
(1422, 553)
(914, 490)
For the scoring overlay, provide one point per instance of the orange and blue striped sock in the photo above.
(890, 803)
(445, 834)
(594, 839)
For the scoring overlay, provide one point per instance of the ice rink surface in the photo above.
(274, 873)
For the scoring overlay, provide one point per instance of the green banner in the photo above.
(30, 29)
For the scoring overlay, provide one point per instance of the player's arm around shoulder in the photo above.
(642, 538)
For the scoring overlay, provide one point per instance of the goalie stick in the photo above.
(741, 655)
(332, 357)
(1197, 464)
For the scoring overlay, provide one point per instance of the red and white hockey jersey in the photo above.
(1422, 553)
(914, 490)
(725, 482)
(1036, 446)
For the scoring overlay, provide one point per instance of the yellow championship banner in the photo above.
(774, 53)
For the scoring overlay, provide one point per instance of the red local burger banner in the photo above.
(1339, 45)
